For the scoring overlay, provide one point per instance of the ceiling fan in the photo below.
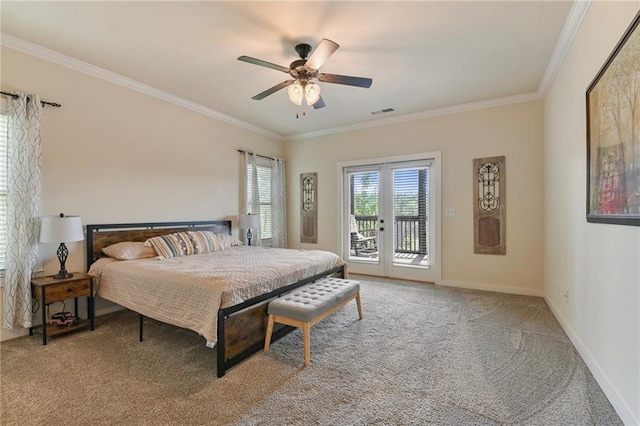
(303, 71)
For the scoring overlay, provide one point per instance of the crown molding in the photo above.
(83, 67)
(572, 24)
(569, 31)
(507, 100)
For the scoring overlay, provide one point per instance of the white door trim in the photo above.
(435, 174)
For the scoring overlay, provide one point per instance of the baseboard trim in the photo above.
(491, 287)
(13, 334)
(609, 390)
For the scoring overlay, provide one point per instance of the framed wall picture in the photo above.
(613, 135)
(309, 208)
(490, 205)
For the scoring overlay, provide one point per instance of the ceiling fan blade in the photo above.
(319, 103)
(345, 79)
(262, 63)
(272, 90)
(321, 53)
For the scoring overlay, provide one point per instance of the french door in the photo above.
(391, 217)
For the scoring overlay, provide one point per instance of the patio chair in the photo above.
(360, 243)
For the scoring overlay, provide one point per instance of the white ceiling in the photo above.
(422, 56)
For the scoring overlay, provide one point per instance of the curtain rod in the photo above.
(44, 103)
(257, 155)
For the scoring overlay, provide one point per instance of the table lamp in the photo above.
(61, 229)
(249, 222)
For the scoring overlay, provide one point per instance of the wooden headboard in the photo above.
(100, 236)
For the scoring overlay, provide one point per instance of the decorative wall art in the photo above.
(309, 208)
(613, 135)
(489, 205)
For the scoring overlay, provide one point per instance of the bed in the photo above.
(221, 295)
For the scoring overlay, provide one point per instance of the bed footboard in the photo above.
(242, 328)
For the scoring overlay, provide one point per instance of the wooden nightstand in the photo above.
(48, 290)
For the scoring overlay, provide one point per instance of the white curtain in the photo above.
(23, 207)
(251, 196)
(278, 204)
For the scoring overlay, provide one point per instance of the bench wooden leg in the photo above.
(359, 304)
(306, 330)
(267, 338)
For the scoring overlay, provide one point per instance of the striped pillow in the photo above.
(172, 245)
(204, 241)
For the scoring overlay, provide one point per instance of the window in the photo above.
(264, 188)
(3, 189)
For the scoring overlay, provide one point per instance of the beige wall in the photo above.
(595, 265)
(114, 155)
(515, 131)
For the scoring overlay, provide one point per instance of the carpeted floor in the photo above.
(421, 355)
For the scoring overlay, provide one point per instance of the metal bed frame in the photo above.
(241, 328)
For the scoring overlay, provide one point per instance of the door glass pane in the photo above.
(411, 216)
(364, 190)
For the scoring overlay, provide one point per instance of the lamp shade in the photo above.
(249, 221)
(61, 229)
(296, 93)
(311, 93)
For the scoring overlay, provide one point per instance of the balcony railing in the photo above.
(410, 232)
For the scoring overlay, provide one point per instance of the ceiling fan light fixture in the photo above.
(312, 93)
(296, 93)
(301, 71)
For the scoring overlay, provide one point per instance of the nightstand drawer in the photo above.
(64, 290)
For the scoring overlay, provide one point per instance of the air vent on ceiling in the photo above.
(382, 111)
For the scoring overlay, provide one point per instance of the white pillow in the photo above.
(129, 250)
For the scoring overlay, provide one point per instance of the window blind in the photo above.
(264, 184)
(264, 191)
(411, 209)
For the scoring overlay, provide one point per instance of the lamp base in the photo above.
(62, 252)
(62, 274)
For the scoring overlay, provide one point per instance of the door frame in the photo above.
(435, 174)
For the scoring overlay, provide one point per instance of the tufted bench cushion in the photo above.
(310, 301)
(309, 304)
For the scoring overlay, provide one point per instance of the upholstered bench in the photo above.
(309, 304)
